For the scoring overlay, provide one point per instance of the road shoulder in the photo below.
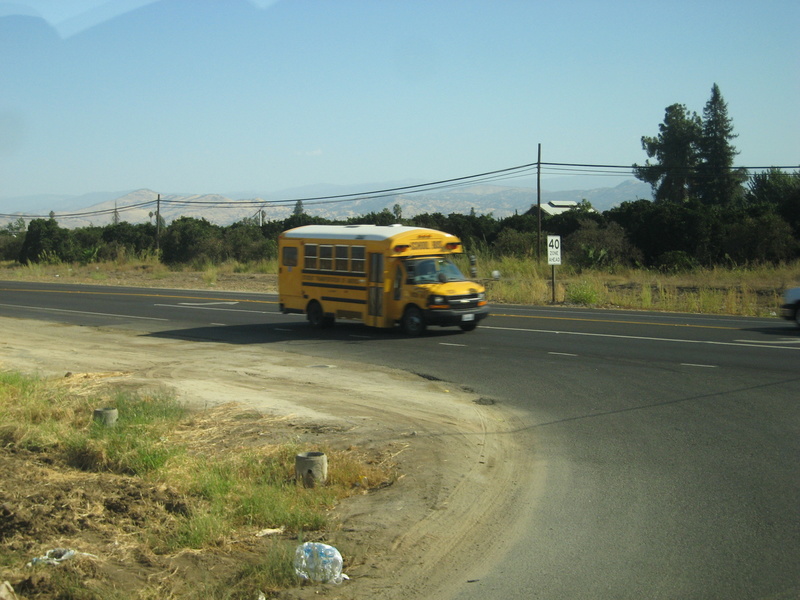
(461, 481)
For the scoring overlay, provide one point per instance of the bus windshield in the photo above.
(432, 270)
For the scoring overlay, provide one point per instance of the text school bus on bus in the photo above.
(381, 275)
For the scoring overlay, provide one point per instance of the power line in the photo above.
(516, 172)
(417, 188)
(91, 213)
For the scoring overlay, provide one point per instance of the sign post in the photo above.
(553, 258)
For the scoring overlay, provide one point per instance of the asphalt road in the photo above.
(668, 445)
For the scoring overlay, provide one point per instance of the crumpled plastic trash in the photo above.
(319, 562)
(57, 556)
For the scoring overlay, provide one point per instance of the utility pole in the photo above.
(539, 203)
(158, 223)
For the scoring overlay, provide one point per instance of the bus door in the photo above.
(375, 293)
(290, 277)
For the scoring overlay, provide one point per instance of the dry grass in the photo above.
(161, 485)
(754, 291)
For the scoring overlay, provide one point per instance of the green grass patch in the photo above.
(584, 292)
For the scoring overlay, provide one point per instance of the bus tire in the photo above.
(315, 315)
(412, 323)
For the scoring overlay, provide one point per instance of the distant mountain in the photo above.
(140, 206)
(42, 204)
(604, 198)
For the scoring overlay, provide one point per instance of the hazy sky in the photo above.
(226, 96)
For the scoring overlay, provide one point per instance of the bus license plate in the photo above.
(468, 317)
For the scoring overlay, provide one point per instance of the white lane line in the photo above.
(699, 365)
(84, 312)
(562, 354)
(770, 342)
(644, 338)
(204, 307)
(448, 344)
(204, 303)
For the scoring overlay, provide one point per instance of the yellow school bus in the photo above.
(383, 275)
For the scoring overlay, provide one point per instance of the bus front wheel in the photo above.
(413, 324)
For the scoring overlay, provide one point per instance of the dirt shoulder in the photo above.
(456, 455)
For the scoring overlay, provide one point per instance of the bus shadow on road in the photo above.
(297, 332)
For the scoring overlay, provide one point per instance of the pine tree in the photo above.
(717, 181)
(675, 149)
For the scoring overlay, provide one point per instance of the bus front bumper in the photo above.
(446, 317)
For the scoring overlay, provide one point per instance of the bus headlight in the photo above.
(437, 302)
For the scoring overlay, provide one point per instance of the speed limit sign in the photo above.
(553, 249)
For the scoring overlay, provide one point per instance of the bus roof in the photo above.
(360, 232)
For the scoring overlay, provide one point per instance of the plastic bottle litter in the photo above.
(319, 562)
(57, 556)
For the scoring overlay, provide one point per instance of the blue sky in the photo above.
(238, 96)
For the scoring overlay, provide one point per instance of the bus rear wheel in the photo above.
(315, 315)
(412, 323)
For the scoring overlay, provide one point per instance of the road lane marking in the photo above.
(643, 338)
(83, 312)
(131, 294)
(206, 307)
(699, 365)
(449, 344)
(616, 321)
(204, 303)
(562, 354)
(770, 342)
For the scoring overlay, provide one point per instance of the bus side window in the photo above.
(342, 258)
(358, 258)
(289, 256)
(326, 258)
(310, 256)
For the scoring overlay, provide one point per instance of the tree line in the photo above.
(705, 212)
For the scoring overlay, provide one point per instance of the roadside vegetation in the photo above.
(159, 485)
(750, 290)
